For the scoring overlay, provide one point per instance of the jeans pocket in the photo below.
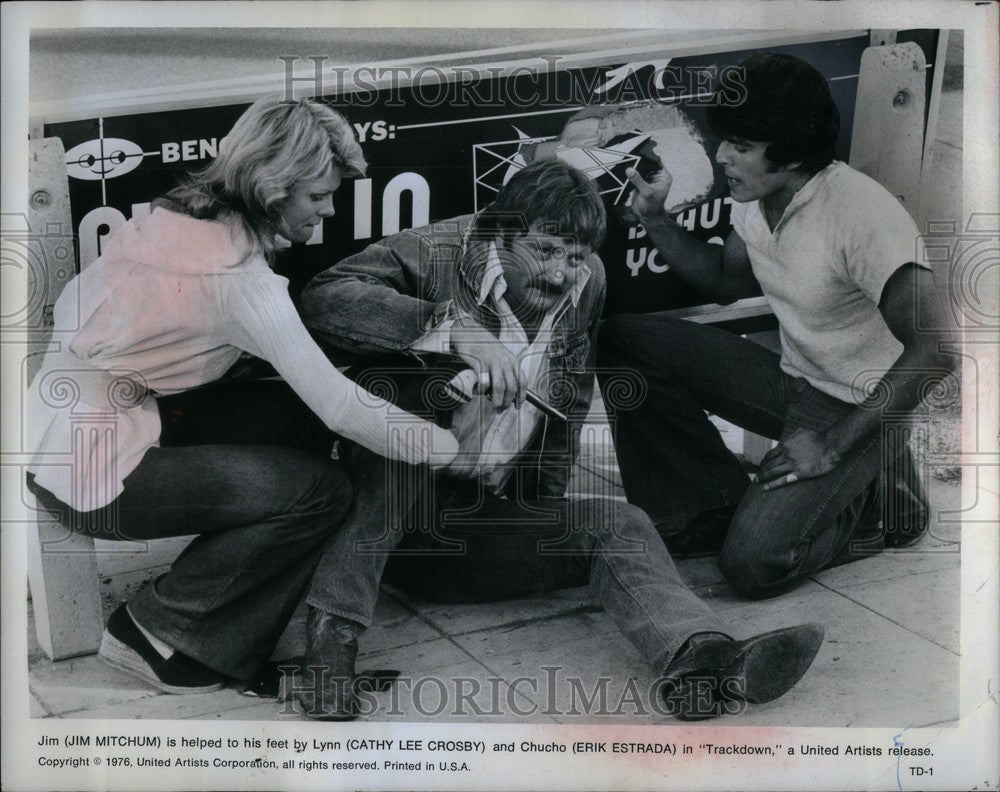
(798, 389)
(810, 408)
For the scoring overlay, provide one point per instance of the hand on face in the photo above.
(307, 204)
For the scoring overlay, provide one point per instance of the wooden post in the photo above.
(62, 574)
(62, 567)
(888, 137)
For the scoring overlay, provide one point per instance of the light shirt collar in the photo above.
(494, 285)
(805, 193)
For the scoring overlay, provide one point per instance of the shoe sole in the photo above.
(688, 699)
(321, 715)
(290, 690)
(771, 664)
(121, 656)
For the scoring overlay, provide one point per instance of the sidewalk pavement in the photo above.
(890, 658)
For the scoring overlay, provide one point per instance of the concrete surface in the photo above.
(892, 624)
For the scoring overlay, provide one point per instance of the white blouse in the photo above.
(169, 306)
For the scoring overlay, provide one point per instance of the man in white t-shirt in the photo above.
(834, 254)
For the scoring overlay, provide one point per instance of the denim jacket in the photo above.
(385, 298)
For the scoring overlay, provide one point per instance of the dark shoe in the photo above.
(896, 515)
(867, 538)
(907, 511)
(703, 536)
(126, 648)
(866, 541)
(711, 670)
(325, 688)
(272, 682)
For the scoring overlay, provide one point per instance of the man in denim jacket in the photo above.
(507, 300)
(424, 298)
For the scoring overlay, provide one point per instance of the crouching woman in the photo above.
(170, 305)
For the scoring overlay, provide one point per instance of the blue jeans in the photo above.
(246, 467)
(450, 539)
(485, 548)
(675, 465)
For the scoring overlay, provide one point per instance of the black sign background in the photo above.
(442, 151)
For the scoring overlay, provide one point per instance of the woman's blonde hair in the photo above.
(274, 145)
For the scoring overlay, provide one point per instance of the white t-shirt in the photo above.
(823, 269)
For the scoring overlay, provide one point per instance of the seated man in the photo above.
(513, 294)
(834, 254)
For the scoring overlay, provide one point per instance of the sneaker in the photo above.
(126, 648)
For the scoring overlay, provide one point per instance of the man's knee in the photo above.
(617, 335)
(623, 527)
(638, 341)
(755, 567)
(625, 360)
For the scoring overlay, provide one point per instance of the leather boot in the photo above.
(908, 513)
(712, 673)
(325, 689)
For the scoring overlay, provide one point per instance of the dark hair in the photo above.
(787, 104)
(549, 193)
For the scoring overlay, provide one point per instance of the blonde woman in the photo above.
(170, 305)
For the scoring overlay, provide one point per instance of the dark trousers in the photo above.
(246, 467)
(675, 465)
(451, 539)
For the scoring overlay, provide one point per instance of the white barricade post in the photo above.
(891, 95)
(62, 567)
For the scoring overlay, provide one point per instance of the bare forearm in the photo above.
(910, 292)
(722, 274)
(898, 393)
(698, 263)
(806, 453)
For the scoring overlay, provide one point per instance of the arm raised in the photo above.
(721, 273)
